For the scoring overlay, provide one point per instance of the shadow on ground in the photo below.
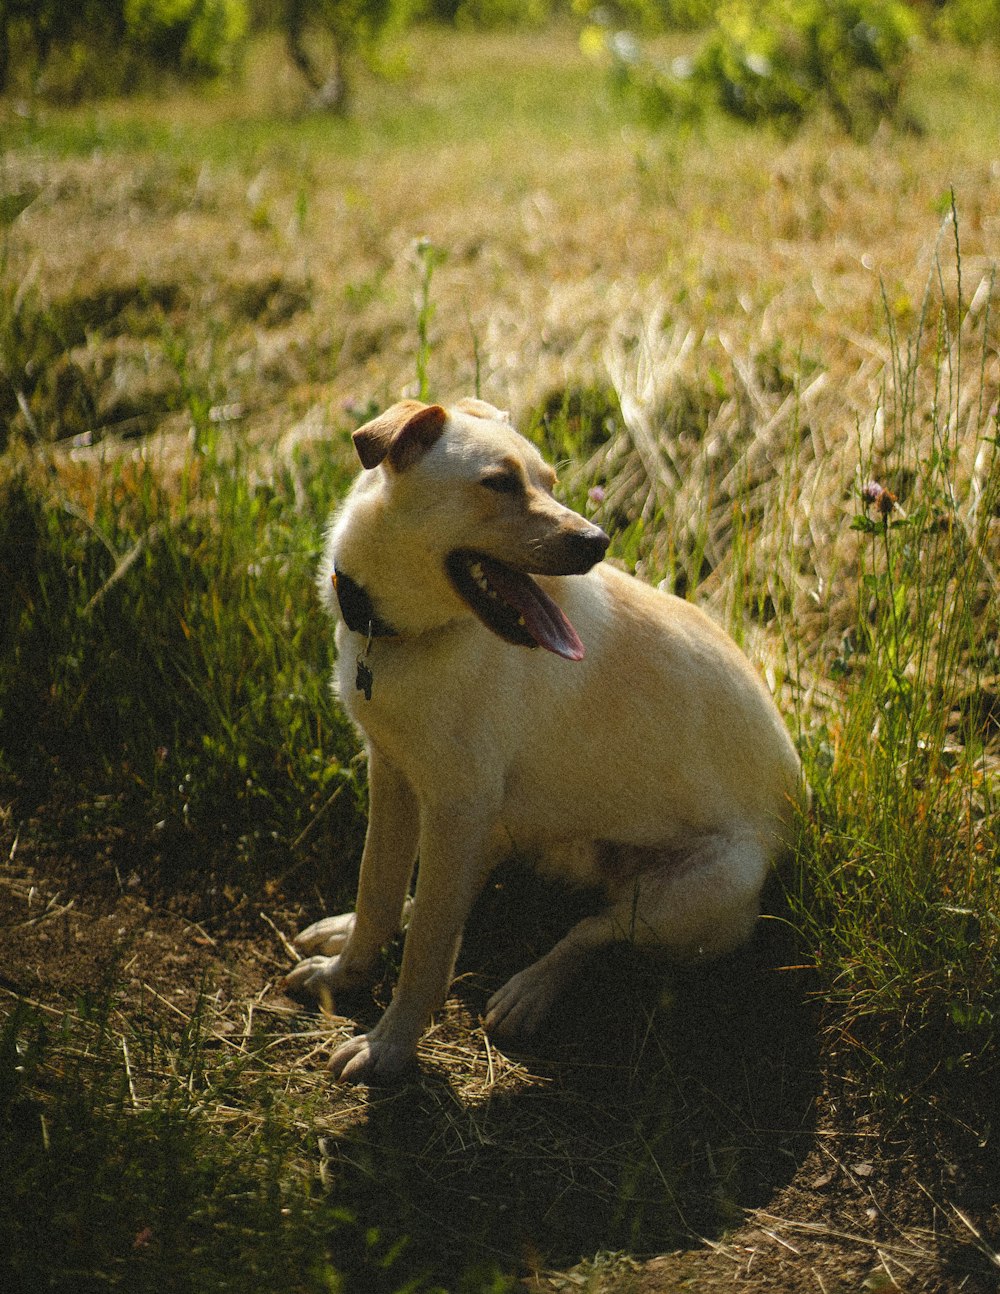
(663, 1103)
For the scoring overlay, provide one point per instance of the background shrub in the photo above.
(66, 48)
(779, 62)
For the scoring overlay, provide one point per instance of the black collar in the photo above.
(358, 609)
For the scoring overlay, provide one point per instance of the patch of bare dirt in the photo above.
(830, 1198)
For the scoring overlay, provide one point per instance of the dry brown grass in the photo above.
(733, 289)
(559, 235)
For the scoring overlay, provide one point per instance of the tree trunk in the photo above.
(330, 90)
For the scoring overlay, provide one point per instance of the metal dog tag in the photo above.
(364, 679)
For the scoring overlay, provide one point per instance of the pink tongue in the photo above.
(543, 619)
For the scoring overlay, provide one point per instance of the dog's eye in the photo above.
(502, 482)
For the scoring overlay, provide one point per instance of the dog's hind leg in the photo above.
(694, 904)
(343, 951)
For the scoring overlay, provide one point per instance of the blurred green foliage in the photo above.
(779, 61)
(970, 22)
(72, 47)
(487, 14)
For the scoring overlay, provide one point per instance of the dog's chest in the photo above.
(414, 700)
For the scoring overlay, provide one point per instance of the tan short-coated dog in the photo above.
(517, 694)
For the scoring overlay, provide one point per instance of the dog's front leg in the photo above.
(346, 948)
(453, 867)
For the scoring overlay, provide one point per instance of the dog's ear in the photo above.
(480, 409)
(400, 435)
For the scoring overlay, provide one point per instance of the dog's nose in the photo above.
(588, 547)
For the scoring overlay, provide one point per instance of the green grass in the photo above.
(904, 845)
(164, 687)
(157, 643)
(412, 107)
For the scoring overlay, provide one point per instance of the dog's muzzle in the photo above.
(582, 552)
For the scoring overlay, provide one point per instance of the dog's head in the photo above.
(476, 498)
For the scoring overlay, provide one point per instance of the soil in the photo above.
(835, 1198)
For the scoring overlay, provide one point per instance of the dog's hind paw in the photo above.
(518, 1010)
(328, 936)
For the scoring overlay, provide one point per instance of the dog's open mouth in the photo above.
(512, 605)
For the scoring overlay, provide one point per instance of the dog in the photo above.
(517, 694)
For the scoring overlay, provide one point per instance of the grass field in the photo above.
(769, 368)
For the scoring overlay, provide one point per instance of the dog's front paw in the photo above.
(369, 1059)
(328, 936)
(318, 979)
(518, 1010)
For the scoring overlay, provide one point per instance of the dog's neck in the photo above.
(358, 610)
